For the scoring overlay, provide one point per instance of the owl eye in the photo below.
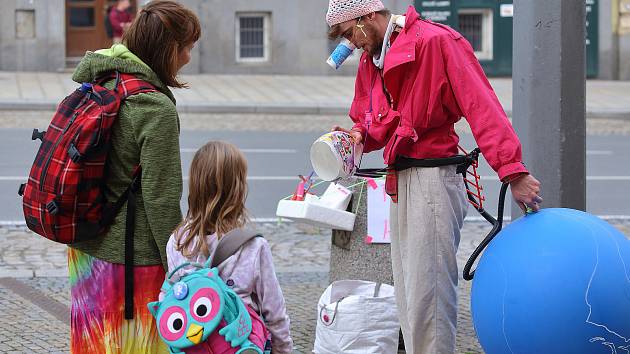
(205, 304)
(173, 323)
(202, 307)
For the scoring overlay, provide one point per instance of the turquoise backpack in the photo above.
(194, 306)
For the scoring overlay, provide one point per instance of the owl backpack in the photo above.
(195, 305)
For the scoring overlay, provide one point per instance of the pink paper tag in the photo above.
(372, 183)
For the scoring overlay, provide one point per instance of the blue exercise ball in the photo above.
(556, 281)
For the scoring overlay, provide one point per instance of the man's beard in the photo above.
(374, 38)
(376, 50)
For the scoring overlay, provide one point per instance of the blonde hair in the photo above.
(217, 189)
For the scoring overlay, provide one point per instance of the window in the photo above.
(253, 37)
(81, 17)
(476, 26)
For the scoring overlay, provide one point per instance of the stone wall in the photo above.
(298, 37)
(32, 35)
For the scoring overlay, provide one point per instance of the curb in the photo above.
(18, 224)
(272, 108)
(208, 107)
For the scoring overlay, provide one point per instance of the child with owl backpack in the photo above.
(216, 208)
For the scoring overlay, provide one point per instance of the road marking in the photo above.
(21, 223)
(253, 151)
(509, 218)
(251, 178)
(599, 152)
(588, 178)
(295, 178)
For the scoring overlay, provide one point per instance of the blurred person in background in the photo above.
(120, 17)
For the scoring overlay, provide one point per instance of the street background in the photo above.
(274, 119)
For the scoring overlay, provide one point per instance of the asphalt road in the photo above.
(275, 160)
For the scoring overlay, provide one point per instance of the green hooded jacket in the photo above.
(145, 133)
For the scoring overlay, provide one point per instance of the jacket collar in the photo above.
(403, 49)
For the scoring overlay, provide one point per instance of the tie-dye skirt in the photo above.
(97, 323)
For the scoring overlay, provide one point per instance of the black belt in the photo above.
(402, 163)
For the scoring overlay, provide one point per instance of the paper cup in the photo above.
(335, 155)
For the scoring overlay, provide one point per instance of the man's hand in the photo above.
(525, 191)
(356, 135)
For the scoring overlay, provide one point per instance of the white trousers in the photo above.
(425, 235)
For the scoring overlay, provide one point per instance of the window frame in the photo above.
(266, 37)
(487, 31)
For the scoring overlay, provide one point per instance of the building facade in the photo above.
(288, 36)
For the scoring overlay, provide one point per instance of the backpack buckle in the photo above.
(21, 189)
(38, 135)
(52, 207)
(74, 154)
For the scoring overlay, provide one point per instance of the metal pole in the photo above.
(549, 88)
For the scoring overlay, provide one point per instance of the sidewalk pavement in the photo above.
(274, 94)
(35, 294)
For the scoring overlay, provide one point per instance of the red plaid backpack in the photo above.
(63, 198)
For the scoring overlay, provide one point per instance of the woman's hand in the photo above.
(525, 191)
(355, 134)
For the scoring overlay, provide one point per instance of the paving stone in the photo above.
(301, 255)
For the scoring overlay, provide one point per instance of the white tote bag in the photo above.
(357, 317)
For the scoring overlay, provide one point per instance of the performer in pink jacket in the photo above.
(415, 80)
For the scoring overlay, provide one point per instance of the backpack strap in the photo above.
(126, 85)
(129, 85)
(130, 222)
(230, 243)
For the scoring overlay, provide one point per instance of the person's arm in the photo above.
(481, 107)
(156, 128)
(487, 119)
(271, 302)
(358, 108)
(174, 258)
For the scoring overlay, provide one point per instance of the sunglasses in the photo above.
(349, 33)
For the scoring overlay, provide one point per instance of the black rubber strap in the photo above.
(129, 232)
(111, 210)
(497, 225)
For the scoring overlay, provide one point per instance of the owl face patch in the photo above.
(193, 308)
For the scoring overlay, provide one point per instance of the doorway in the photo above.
(85, 25)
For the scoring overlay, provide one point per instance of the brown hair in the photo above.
(335, 30)
(217, 189)
(160, 31)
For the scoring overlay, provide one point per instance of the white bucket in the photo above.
(335, 155)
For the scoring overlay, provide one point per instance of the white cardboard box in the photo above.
(316, 214)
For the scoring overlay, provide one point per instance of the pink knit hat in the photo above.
(344, 10)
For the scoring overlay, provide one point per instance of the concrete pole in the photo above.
(549, 106)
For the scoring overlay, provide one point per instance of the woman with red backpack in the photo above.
(146, 134)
